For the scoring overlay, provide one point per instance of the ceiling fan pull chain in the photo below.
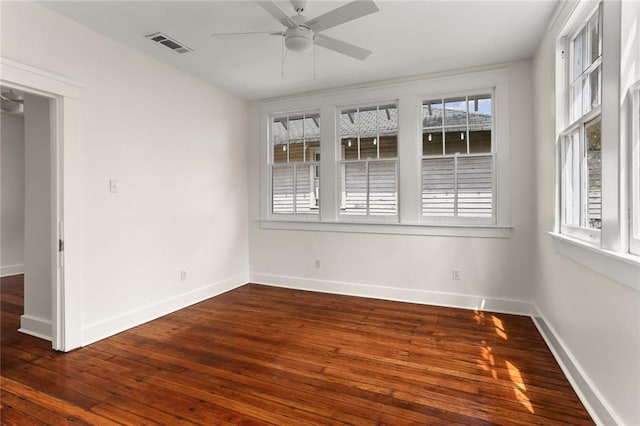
(314, 62)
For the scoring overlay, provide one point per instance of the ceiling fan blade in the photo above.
(342, 47)
(246, 34)
(350, 11)
(275, 11)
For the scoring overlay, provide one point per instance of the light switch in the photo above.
(113, 185)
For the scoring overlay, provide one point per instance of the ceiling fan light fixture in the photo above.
(301, 34)
(298, 39)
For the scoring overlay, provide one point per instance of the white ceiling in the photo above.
(407, 38)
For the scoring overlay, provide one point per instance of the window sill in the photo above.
(621, 267)
(391, 228)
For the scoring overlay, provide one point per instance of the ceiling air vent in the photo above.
(169, 42)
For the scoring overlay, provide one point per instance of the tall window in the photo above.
(294, 163)
(457, 158)
(581, 178)
(369, 163)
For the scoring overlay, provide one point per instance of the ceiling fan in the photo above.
(301, 33)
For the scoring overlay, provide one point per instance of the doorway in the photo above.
(27, 200)
(55, 100)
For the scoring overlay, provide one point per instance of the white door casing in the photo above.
(65, 95)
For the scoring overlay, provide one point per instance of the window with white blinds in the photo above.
(369, 164)
(458, 168)
(294, 162)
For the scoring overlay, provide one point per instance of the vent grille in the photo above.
(169, 42)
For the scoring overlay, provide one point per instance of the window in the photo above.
(369, 163)
(581, 175)
(294, 164)
(596, 224)
(457, 158)
(423, 157)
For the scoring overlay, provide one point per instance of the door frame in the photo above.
(64, 93)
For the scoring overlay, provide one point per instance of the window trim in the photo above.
(589, 235)
(364, 227)
(467, 221)
(621, 267)
(408, 95)
(611, 256)
(341, 165)
(566, 126)
(270, 164)
(634, 184)
(314, 173)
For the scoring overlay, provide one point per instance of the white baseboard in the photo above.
(8, 270)
(453, 300)
(588, 393)
(94, 332)
(34, 326)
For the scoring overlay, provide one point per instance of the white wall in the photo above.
(179, 149)
(176, 146)
(38, 266)
(358, 263)
(12, 192)
(597, 319)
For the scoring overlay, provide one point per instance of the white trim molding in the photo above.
(588, 393)
(489, 231)
(34, 326)
(620, 267)
(9, 270)
(98, 331)
(65, 93)
(409, 295)
(28, 77)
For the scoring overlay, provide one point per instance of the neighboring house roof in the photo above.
(372, 123)
(456, 119)
(294, 128)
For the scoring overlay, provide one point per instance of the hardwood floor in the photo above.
(262, 355)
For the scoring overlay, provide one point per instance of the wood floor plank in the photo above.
(11, 416)
(49, 402)
(31, 409)
(263, 355)
(118, 406)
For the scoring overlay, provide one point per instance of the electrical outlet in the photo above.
(317, 263)
(455, 273)
(183, 275)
